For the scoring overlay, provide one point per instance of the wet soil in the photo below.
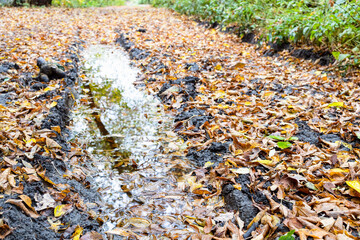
(24, 226)
(323, 57)
(214, 154)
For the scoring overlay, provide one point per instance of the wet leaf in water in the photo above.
(119, 232)
(92, 236)
(139, 222)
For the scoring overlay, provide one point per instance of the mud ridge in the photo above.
(24, 226)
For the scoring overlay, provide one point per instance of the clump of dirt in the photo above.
(211, 154)
(249, 37)
(307, 134)
(4, 98)
(185, 87)
(241, 200)
(134, 53)
(276, 47)
(324, 57)
(6, 66)
(193, 67)
(124, 42)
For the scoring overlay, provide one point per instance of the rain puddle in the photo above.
(128, 136)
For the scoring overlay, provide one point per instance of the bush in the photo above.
(323, 23)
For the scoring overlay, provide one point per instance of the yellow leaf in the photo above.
(247, 103)
(337, 171)
(265, 162)
(61, 209)
(239, 65)
(221, 106)
(26, 200)
(346, 145)
(218, 67)
(53, 104)
(208, 164)
(56, 129)
(78, 231)
(336, 104)
(354, 185)
(237, 186)
(220, 94)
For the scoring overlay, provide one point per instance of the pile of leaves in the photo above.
(277, 138)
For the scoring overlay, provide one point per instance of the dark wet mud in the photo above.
(40, 191)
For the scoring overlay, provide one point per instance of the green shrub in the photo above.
(315, 22)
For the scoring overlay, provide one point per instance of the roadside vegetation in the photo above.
(88, 3)
(325, 24)
(63, 3)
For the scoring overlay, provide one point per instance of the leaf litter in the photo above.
(226, 99)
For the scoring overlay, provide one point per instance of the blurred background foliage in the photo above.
(331, 24)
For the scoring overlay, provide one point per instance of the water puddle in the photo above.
(129, 138)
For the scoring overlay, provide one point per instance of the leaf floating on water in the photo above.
(92, 236)
(139, 222)
(242, 170)
(119, 232)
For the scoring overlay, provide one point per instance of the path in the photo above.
(276, 138)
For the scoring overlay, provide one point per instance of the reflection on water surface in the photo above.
(127, 134)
